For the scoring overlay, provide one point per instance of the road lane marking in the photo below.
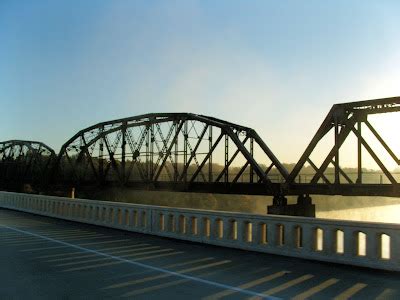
(72, 254)
(316, 289)
(78, 238)
(146, 266)
(82, 244)
(154, 288)
(248, 285)
(132, 248)
(386, 294)
(288, 284)
(140, 252)
(122, 262)
(350, 292)
(180, 264)
(151, 278)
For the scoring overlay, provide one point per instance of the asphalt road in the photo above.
(45, 258)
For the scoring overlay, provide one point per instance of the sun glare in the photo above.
(387, 125)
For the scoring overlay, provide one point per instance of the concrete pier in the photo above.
(303, 207)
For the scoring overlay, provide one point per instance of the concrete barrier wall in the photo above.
(368, 244)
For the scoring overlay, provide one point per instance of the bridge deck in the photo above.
(45, 258)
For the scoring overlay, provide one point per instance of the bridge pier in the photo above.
(303, 207)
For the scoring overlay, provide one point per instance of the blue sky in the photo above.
(276, 66)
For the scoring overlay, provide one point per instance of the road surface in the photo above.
(46, 258)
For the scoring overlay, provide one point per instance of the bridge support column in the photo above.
(303, 207)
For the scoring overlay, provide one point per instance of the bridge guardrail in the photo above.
(367, 244)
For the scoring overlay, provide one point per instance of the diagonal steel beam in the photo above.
(112, 159)
(230, 161)
(383, 143)
(270, 154)
(316, 170)
(325, 127)
(375, 157)
(207, 156)
(266, 172)
(248, 156)
(343, 173)
(193, 152)
(164, 147)
(349, 124)
(169, 150)
(240, 172)
(89, 157)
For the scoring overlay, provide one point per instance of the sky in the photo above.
(275, 66)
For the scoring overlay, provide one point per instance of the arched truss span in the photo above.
(24, 161)
(181, 150)
(350, 135)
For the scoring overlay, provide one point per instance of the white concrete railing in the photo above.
(368, 244)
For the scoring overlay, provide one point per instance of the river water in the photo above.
(375, 209)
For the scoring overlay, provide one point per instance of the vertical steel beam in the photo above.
(210, 162)
(185, 148)
(252, 155)
(176, 154)
(101, 158)
(148, 152)
(337, 177)
(226, 166)
(151, 154)
(123, 161)
(359, 157)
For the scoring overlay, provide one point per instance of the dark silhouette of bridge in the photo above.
(196, 153)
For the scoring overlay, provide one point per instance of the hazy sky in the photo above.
(276, 66)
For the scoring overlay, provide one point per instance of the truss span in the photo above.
(179, 151)
(24, 162)
(349, 131)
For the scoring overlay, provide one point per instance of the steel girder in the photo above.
(24, 162)
(344, 120)
(172, 150)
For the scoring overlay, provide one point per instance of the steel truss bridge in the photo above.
(24, 162)
(196, 153)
